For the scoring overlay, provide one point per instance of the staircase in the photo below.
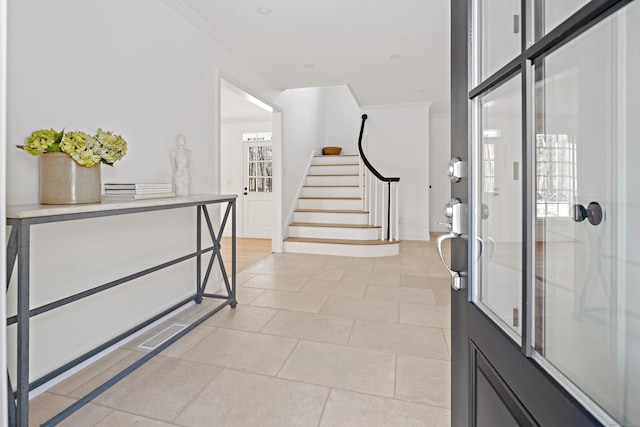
(330, 218)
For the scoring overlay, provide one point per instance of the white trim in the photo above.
(3, 203)
(285, 232)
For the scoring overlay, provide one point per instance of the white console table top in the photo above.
(35, 211)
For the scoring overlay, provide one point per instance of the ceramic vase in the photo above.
(64, 182)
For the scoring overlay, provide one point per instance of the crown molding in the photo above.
(201, 24)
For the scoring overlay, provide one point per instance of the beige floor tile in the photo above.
(417, 262)
(278, 269)
(329, 287)
(399, 294)
(447, 337)
(433, 316)
(413, 270)
(355, 308)
(242, 277)
(311, 327)
(411, 252)
(245, 399)
(435, 261)
(422, 282)
(314, 272)
(121, 419)
(401, 339)
(105, 375)
(67, 386)
(410, 243)
(389, 279)
(442, 296)
(45, 406)
(348, 264)
(438, 271)
(290, 259)
(161, 390)
(282, 283)
(291, 301)
(395, 259)
(340, 367)
(243, 317)
(360, 410)
(187, 342)
(423, 380)
(246, 295)
(88, 415)
(247, 351)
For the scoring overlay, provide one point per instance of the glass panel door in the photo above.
(499, 34)
(498, 190)
(587, 250)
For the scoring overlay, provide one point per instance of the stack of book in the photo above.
(138, 191)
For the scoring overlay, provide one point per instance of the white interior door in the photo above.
(257, 212)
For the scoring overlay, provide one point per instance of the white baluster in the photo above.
(397, 209)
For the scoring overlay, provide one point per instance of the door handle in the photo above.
(454, 210)
(456, 279)
(593, 213)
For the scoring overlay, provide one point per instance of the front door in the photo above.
(546, 120)
(257, 209)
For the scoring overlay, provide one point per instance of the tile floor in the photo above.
(315, 341)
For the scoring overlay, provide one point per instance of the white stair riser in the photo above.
(332, 204)
(335, 160)
(332, 180)
(342, 250)
(330, 217)
(334, 232)
(330, 192)
(334, 170)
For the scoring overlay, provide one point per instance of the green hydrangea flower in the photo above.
(85, 149)
(112, 147)
(82, 147)
(42, 141)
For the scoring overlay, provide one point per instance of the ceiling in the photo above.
(388, 52)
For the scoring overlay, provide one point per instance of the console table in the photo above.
(21, 218)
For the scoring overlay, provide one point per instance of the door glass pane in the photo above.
(498, 212)
(587, 251)
(552, 12)
(499, 34)
(260, 165)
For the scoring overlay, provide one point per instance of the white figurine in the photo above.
(180, 159)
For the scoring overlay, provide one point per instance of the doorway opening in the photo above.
(249, 150)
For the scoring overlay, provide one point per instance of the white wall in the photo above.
(302, 133)
(342, 118)
(142, 70)
(397, 145)
(439, 157)
(232, 168)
